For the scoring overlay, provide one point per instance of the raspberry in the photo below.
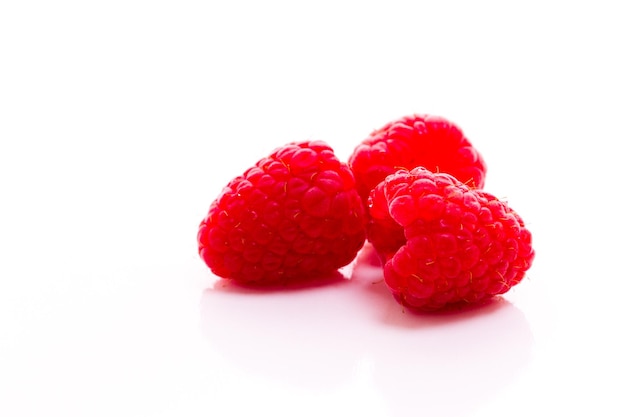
(294, 215)
(444, 243)
(411, 141)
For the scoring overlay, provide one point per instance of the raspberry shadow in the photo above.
(332, 279)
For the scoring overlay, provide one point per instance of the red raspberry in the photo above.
(417, 140)
(295, 215)
(444, 243)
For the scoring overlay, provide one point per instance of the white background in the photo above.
(120, 121)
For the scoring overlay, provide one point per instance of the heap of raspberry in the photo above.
(294, 215)
(411, 141)
(444, 243)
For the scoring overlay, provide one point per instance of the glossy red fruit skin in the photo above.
(444, 243)
(293, 216)
(429, 141)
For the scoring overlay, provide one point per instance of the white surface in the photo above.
(120, 121)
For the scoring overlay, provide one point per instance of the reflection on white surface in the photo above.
(351, 333)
